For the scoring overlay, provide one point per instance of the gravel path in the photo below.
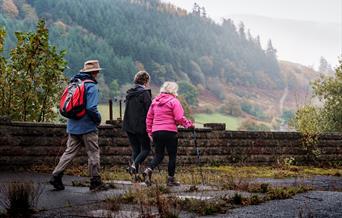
(324, 183)
(318, 204)
(310, 204)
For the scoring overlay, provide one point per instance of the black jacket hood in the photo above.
(136, 91)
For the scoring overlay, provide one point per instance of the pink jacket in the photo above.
(165, 113)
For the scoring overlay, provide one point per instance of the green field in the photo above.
(104, 110)
(232, 123)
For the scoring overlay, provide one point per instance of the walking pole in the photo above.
(198, 155)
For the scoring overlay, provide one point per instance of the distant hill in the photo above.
(168, 41)
(298, 78)
(265, 104)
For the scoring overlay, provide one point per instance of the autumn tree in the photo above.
(33, 77)
(328, 118)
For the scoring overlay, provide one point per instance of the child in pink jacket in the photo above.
(163, 117)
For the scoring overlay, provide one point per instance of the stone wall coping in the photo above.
(108, 125)
(226, 133)
(203, 129)
(216, 126)
(34, 124)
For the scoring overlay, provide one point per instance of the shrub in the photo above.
(189, 92)
(250, 125)
(254, 110)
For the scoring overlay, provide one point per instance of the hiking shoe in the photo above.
(56, 182)
(96, 184)
(172, 182)
(131, 170)
(147, 176)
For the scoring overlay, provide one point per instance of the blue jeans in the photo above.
(140, 146)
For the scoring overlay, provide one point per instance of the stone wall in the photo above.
(26, 144)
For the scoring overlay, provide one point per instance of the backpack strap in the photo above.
(88, 81)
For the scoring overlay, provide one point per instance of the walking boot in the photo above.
(131, 170)
(56, 182)
(147, 176)
(172, 182)
(96, 184)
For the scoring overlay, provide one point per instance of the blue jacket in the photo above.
(92, 119)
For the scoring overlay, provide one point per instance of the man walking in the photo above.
(83, 131)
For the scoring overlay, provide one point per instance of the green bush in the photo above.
(189, 92)
(254, 110)
(250, 125)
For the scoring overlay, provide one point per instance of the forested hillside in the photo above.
(127, 35)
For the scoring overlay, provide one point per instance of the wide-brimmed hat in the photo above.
(91, 66)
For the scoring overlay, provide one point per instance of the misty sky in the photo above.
(313, 10)
(325, 34)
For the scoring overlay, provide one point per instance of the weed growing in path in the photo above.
(21, 198)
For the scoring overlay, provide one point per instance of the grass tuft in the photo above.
(237, 198)
(285, 192)
(21, 198)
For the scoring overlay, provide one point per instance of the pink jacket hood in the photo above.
(163, 98)
(165, 113)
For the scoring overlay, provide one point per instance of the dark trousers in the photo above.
(140, 147)
(162, 139)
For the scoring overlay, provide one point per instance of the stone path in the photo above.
(80, 200)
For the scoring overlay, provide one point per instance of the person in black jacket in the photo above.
(138, 101)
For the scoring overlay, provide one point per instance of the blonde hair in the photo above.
(169, 87)
(142, 77)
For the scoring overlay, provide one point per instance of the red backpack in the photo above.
(73, 101)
